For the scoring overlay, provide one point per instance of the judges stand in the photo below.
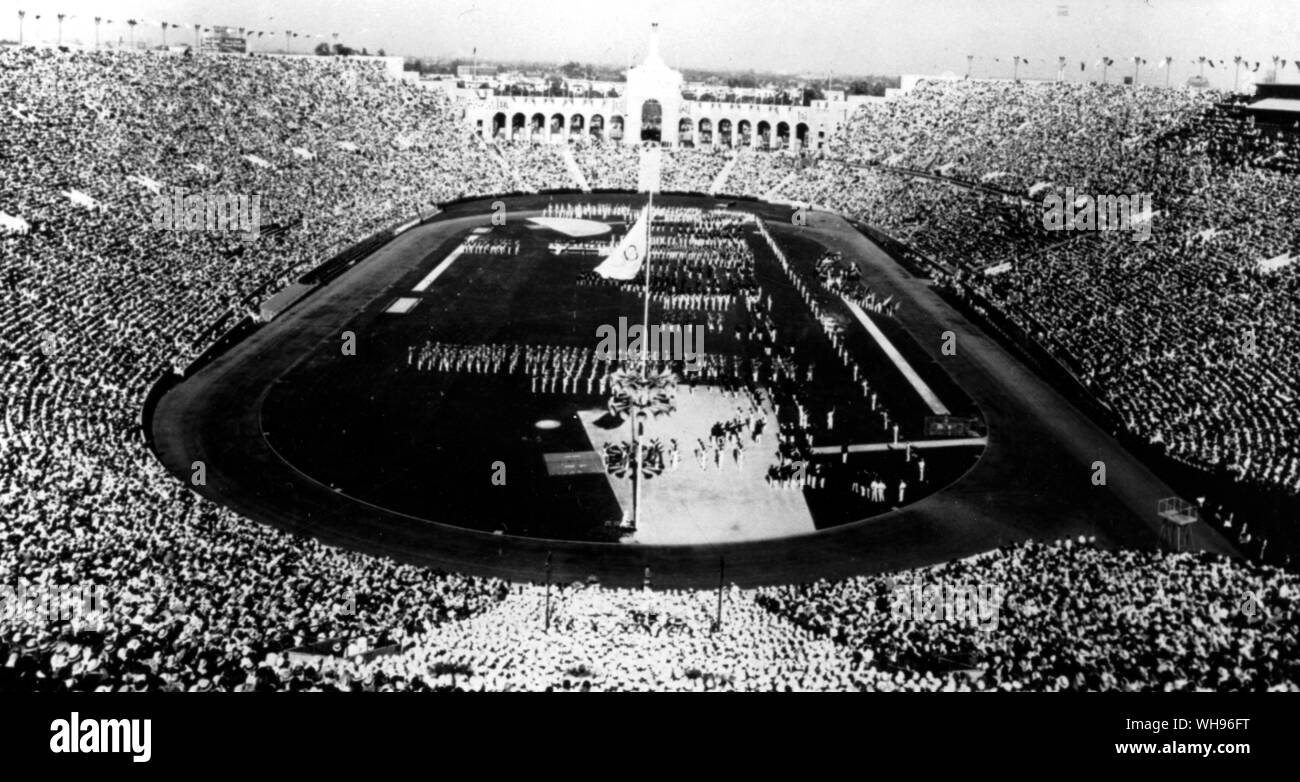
(1176, 518)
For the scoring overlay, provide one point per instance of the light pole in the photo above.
(131, 33)
(21, 15)
(1060, 69)
(98, 19)
(197, 27)
(1236, 71)
(1169, 69)
(1015, 68)
(61, 17)
(288, 47)
(969, 59)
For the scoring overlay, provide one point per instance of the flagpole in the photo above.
(645, 343)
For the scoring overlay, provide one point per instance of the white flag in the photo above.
(625, 261)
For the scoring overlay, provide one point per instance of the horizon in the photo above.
(866, 38)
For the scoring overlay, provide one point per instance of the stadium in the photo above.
(362, 432)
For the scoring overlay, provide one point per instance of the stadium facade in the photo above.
(652, 108)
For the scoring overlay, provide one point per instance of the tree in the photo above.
(573, 70)
(323, 49)
(381, 53)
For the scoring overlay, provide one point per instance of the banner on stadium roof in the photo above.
(624, 263)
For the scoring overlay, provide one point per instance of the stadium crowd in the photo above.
(94, 303)
(1059, 616)
(607, 164)
(1189, 337)
(536, 166)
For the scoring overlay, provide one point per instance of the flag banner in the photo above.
(624, 263)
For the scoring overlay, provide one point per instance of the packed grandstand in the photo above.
(96, 305)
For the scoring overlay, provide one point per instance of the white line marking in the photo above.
(437, 271)
(403, 305)
(902, 446)
(930, 398)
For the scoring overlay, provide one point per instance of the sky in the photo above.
(791, 36)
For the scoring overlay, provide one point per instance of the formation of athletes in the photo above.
(762, 363)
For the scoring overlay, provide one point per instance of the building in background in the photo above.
(655, 105)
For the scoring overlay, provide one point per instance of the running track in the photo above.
(1033, 480)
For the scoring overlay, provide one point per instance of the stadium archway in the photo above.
(519, 126)
(597, 127)
(764, 134)
(782, 135)
(686, 132)
(706, 131)
(724, 132)
(557, 125)
(498, 124)
(577, 124)
(616, 128)
(652, 115)
(537, 126)
(745, 129)
(801, 134)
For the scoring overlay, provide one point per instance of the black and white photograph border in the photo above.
(659, 346)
